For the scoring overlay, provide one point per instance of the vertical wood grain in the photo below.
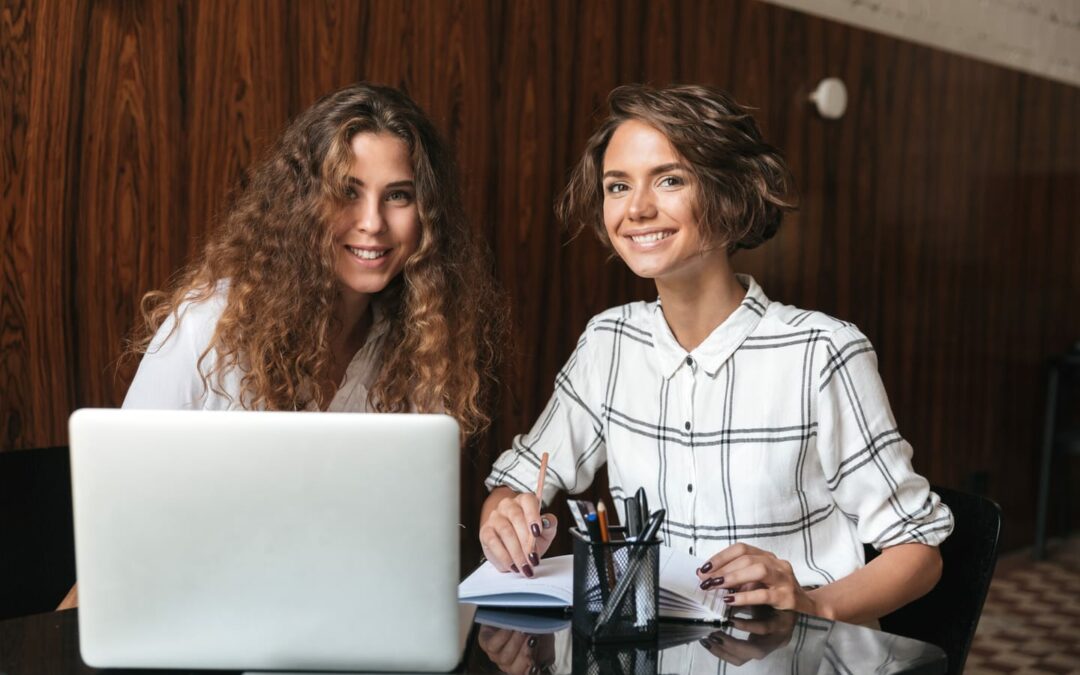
(16, 45)
(939, 214)
(134, 153)
(40, 190)
(329, 47)
(240, 89)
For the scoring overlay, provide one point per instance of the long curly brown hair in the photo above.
(445, 316)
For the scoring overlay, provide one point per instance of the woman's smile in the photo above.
(649, 240)
(369, 256)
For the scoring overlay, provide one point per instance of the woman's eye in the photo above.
(399, 196)
(616, 188)
(670, 181)
(351, 193)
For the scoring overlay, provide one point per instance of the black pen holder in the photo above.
(604, 658)
(616, 588)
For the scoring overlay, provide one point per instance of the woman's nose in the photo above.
(370, 218)
(642, 205)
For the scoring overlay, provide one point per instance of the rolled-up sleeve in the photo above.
(867, 463)
(569, 430)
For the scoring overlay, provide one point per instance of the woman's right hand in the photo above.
(513, 534)
(517, 653)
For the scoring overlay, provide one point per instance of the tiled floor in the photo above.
(1031, 621)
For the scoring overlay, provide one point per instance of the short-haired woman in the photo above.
(763, 430)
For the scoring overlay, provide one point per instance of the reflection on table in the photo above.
(757, 641)
(760, 641)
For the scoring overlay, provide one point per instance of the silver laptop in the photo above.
(266, 540)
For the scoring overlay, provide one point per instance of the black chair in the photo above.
(37, 545)
(948, 615)
(1060, 436)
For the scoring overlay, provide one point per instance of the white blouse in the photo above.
(170, 377)
(774, 431)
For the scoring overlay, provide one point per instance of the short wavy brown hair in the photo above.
(446, 317)
(742, 184)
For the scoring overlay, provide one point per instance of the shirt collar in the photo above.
(721, 343)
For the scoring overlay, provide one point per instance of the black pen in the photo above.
(643, 504)
(633, 516)
(631, 571)
(654, 526)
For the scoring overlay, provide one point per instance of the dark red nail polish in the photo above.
(704, 585)
(534, 559)
(532, 642)
(729, 599)
(706, 567)
(718, 580)
(514, 568)
(535, 530)
(527, 570)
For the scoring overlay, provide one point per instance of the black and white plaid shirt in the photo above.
(775, 431)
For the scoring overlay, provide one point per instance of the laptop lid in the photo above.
(266, 540)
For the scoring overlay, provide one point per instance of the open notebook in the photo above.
(553, 586)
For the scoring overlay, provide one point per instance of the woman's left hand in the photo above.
(768, 630)
(756, 577)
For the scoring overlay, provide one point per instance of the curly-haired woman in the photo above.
(345, 277)
(763, 430)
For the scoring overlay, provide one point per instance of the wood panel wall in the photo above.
(940, 214)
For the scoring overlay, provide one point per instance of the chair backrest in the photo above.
(948, 615)
(37, 547)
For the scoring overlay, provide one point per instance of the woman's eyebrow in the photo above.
(405, 182)
(662, 168)
(670, 166)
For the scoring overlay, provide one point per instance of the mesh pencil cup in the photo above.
(616, 588)
(637, 657)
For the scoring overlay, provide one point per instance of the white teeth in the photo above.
(651, 237)
(364, 254)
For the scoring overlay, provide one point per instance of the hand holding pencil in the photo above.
(513, 533)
